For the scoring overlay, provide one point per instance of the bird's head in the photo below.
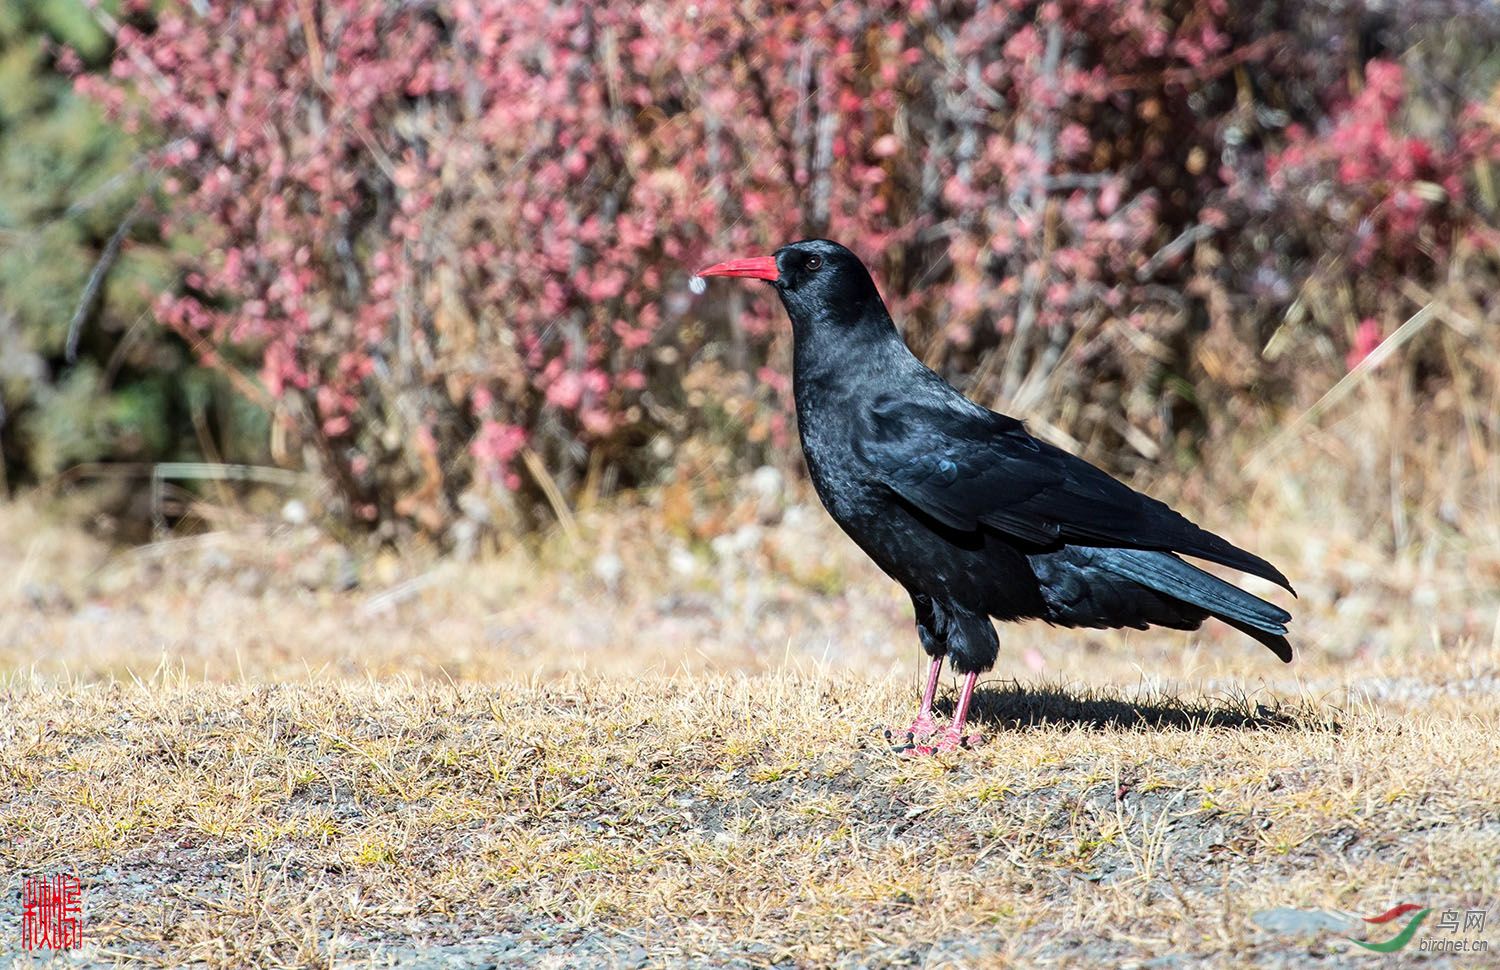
(816, 279)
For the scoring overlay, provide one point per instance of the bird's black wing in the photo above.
(966, 466)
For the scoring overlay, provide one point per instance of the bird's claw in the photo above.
(952, 740)
(920, 730)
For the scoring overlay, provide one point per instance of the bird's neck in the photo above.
(839, 357)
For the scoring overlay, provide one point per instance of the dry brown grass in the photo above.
(756, 817)
(660, 741)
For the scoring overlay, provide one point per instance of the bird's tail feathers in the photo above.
(1168, 574)
(1214, 548)
(1277, 643)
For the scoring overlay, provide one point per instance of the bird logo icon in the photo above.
(1400, 940)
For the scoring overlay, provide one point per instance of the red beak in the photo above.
(755, 268)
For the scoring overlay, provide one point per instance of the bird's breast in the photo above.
(978, 570)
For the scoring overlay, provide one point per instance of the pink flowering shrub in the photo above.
(1401, 193)
(454, 238)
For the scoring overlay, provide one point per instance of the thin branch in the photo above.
(1186, 240)
(1044, 135)
(1340, 390)
(95, 285)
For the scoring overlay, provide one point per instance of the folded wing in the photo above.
(967, 466)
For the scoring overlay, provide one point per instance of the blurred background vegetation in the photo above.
(432, 258)
(92, 388)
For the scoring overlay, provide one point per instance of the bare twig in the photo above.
(554, 494)
(1185, 240)
(1343, 387)
(111, 26)
(1044, 134)
(1204, 72)
(95, 285)
(822, 161)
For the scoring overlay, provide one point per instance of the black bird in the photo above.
(964, 508)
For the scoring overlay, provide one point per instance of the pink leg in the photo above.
(924, 725)
(953, 738)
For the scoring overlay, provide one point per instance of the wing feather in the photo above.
(967, 467)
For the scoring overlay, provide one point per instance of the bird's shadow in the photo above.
(1012, 706)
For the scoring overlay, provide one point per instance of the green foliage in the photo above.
(68, 179)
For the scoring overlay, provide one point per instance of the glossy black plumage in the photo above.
(969, 512)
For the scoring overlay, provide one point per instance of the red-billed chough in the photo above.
(964, 508)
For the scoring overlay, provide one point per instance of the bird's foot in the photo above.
(953, 739)
(921, 729)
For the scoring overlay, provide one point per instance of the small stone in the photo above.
(681, 561)
(768, 485)
(608, 568)
(1285, 921)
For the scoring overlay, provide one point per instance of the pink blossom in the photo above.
(1367, 336)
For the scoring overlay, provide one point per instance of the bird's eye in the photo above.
(814, 262)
